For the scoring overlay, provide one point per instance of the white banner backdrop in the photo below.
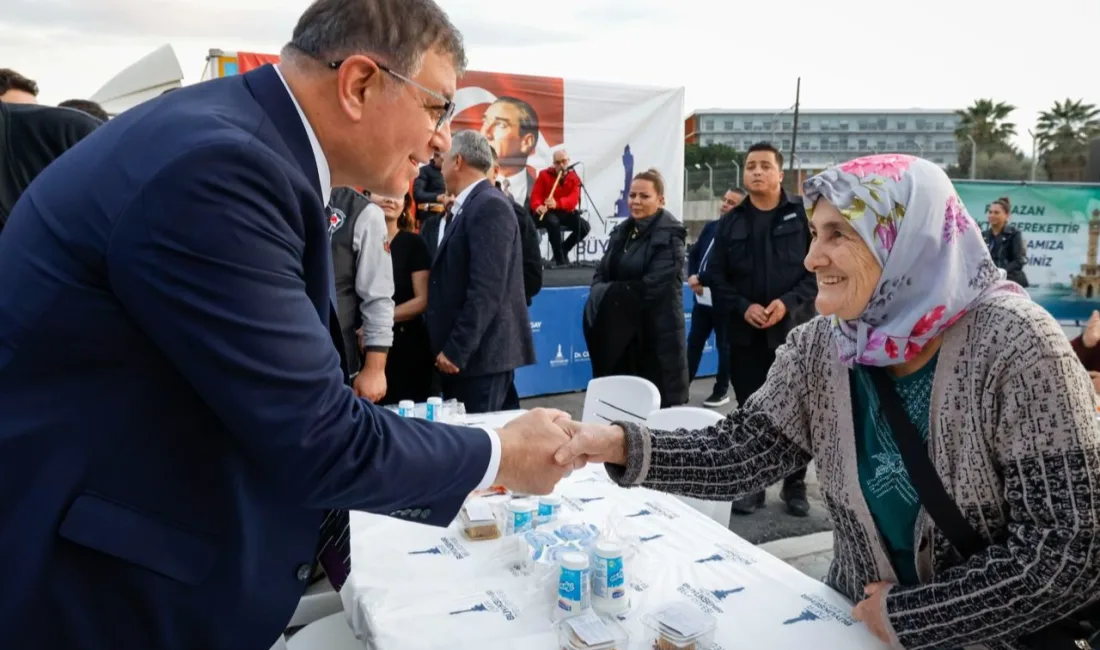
(615, 131)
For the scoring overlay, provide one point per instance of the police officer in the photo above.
(759, 282)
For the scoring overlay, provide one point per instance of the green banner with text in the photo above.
(1060, 224)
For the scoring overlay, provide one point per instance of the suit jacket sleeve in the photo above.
(208, 261)
(726, 298)
(541, 190)
(490, 239)
(374, 278)
(532, 255)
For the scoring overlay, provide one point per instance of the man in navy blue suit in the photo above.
(477, 310)
(177, 441)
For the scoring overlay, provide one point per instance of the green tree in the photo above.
(715, 154)
(1064, 133)
(987, 122)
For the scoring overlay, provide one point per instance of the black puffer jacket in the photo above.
(1009, 252)
(651, 252)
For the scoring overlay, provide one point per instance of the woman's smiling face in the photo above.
(846, 269)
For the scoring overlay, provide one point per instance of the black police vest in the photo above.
(345, 206)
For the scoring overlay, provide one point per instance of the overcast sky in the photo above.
(850, 53)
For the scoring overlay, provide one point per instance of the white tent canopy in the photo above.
(141, 81)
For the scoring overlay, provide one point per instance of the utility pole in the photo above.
(794, 132)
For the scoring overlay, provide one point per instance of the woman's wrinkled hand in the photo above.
(872, 610)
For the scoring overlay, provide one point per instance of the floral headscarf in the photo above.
(935, 264)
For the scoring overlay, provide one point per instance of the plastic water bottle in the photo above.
(609, 595)
(406, 408)
(573, 587)
(435, 409)
(520, 517)
(549, 508)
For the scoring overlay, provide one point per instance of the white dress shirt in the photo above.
(456, 207)
(517, 186)
(324, 176)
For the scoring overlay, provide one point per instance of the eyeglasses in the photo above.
(446, 111)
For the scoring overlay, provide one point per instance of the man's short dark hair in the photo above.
(398, 32)
(739, 191)
(12, 80)
(528, 118)
(87, 106)
(767, 146)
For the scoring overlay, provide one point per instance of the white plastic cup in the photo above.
(435, 409)
(609, 594)
(549, 508)
(406, 408)
(520, 517)
(573, 585)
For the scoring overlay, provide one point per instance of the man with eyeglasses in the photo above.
(180, 445)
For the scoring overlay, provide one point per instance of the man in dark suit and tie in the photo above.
(477, 312)
(178, 444)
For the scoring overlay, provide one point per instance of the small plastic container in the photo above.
(573, 585)
(478, 521)
(549, 508)
(609, 593)
(680, 626)
(406, 408)
(435, 409)
(520, 517)
(592, 632)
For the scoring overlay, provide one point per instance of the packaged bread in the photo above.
(479, 521)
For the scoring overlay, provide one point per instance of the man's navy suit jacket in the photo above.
(477, 310)
(174, 421)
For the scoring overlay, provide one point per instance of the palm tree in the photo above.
(985, 121)
(1063, 133)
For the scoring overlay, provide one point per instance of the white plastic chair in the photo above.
(621, 398)
(329, 633)
(319, 600)
(692, 417)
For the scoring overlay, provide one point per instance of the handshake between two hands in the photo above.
(542, 446)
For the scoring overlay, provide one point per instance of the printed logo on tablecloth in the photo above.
(495, 602)
(638, 585)
(449, 546)
(728, 554)
(820, 609)
(652, 509)
(708, 600)
(559, 360)
(578, 503)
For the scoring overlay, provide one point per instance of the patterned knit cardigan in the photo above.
(1013, 435)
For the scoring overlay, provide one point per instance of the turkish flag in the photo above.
(251, 60)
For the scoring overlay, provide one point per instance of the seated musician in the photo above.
(554, 203)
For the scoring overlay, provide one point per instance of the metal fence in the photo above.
(703, 183)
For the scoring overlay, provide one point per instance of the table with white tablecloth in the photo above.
(414, 586)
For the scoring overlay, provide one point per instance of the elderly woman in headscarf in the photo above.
(996, 402)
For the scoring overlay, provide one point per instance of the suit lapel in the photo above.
(466, 205)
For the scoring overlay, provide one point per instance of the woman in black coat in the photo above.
(634, 318)
(1005, 242)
